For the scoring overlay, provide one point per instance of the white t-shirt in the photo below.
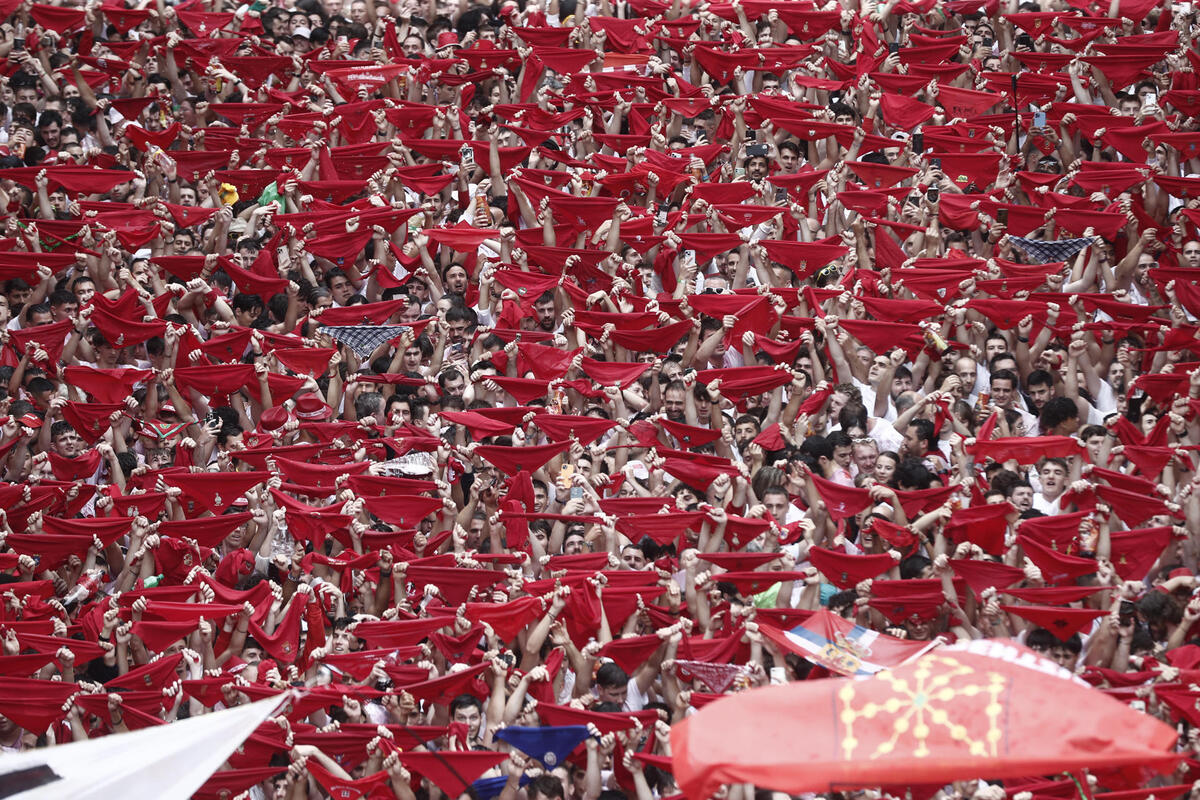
(1050, 508)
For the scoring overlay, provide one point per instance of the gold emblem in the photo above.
(845, 655)
(922, 704)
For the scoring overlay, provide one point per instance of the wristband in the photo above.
(1023, 339)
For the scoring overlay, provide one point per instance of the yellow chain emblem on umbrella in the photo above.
(916, 708)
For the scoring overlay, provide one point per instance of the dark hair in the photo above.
(817, 447)
(1042, 639)
(924, 431)
(1057, 411)
(247, 302)
(1004, 375)
(1039, 377)
(463, 701)
(546, 785)
(611, 676)
(853, 415)
(910, 472)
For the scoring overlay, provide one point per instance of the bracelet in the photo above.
(172, 180)
(1023, 339)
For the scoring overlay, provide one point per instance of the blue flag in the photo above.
(549, 745)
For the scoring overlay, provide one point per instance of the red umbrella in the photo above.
(990, 709)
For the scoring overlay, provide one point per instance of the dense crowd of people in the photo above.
(510, 376)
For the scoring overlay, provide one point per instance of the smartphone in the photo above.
(660, 217)
(931, 194)
(756, 150)
(893, 48)
(781, 195)
(989, 43)
(1127, 611)
(918, 143)
(1039, 119)
(937, 164)
(1002, 216)
(565, 476)
(19, 44)
(468, 155)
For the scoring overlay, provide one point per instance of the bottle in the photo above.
(88, 583)
(934, 340)
(152, 581)
(483, 216)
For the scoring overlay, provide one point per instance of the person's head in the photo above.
(1040, 385)
(545, 313)
(49, 129)
(1052, 472)
(612, 684)
(966, 368)
(1060, 417)
(1191, 253)
(1003, 387)
(340, 288)
(65, 441)
(674, 400)
(541, 496)
(842, 446)
(919, 438)
(633, 556)
(789, 156)
(413, 46)
(452, 383)
(776, 501)
(546, 787)
(460, 321)
(902, 381)
(1093, 437)
(843, 114)
(38, 314)
(745, 428)
(456, 280)
(342, 640)
(843, 393)
(757, 167)
(885, 467)
(574, 543)
(1021, 495)
(246, 309)
(63, 305)
(865, 455)
(466, 709)
(1064, 652)
(912, 475)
